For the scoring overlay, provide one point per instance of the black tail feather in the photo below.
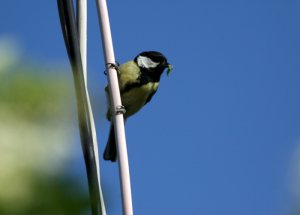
(110, 152)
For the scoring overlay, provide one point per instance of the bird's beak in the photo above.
(170, 68)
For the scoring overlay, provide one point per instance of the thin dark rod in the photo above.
(70, 33)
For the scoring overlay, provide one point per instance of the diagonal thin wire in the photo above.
(70, 33)
(82, 33)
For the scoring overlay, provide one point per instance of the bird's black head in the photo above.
(153, 61)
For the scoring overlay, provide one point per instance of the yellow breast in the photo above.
(136, 98)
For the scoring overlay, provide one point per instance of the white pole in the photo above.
(118, 119)
(82, 33)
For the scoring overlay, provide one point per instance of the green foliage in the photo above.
(49, 196)
(32, 95)
(36, 110)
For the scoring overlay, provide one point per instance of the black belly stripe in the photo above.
(142, 80)
(130, 86)
(146, 76)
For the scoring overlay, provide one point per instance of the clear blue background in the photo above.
(219, 135)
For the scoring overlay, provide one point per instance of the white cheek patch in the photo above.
(146, 62)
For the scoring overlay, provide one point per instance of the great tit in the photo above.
(138, 82)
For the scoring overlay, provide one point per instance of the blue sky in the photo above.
(220, 134)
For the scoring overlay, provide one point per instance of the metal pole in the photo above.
(70, 33)
(118, 119)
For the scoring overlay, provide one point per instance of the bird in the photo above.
(138, 82)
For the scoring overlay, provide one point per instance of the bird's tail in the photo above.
(110, 152)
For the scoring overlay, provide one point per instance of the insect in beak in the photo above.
(170, 68)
